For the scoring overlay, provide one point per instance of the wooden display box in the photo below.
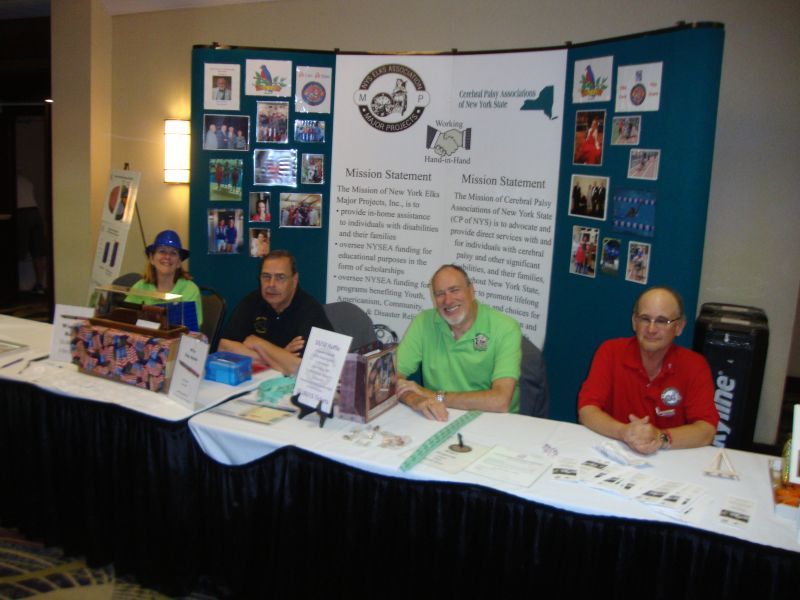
(126, 353)
(368, 384)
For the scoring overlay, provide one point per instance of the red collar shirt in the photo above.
(681, 393)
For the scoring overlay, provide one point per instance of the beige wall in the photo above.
(754, 214)
(81, 89)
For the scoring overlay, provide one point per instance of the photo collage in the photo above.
(606, 216)
(266, 137)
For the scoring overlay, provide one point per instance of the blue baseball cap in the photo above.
(171, 239)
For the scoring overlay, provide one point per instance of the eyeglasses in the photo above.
(659, 322)
(268, 277)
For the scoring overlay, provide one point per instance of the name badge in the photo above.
(260, 325)
(480, 342)
(671, 397)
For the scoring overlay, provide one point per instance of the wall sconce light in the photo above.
(176, 151)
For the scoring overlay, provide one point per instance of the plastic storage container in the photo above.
(229, 368)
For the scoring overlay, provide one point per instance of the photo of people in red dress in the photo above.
(589, 129)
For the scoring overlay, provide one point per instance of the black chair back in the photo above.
(349, 319)
(214, 309)
(128, 279)
(534, 396)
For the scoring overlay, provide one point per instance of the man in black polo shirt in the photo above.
(272, 324)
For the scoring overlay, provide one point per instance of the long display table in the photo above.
(116, 484)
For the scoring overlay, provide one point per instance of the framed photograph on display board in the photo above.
(312, 169)
(638, 267)
(259, 242)
(643, 164)
(638, 87)
(592, 79)
(583, 257)
(588, 197)
(309, 131)
(275, 167)
(226, 132)
(589, 132)
(273, 122)
(221, 86)
(625, 131)
(634, 211)
(610, 257)
(225, 231)
(259, 207)
(225, 179)
(268, 78)
(301, 210)
(313, 94)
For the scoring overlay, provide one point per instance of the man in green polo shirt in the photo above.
(469, 352)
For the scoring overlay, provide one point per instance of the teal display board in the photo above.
(632, 190)
(234, 274)
(586, 309)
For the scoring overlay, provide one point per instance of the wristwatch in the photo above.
(440, 397)
(666, 439)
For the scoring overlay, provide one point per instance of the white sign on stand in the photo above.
(794, 458)
(321, 368)
(188, 372)
(64, 318)
(118, 209)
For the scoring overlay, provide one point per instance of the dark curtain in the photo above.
(115, 485)
(317, 526)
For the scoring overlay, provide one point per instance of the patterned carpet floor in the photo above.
(28, 569)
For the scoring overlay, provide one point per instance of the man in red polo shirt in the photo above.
(645, 390)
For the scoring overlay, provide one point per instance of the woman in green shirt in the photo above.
(164, 273)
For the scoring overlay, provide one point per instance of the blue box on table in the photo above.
(230, 368)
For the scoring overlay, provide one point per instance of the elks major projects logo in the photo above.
(391, 98)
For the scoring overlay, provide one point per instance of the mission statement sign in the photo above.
(445, 159)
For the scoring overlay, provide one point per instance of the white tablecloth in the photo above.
(235, 441)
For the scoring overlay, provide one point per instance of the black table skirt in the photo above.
(99, 480)
(118, 486)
